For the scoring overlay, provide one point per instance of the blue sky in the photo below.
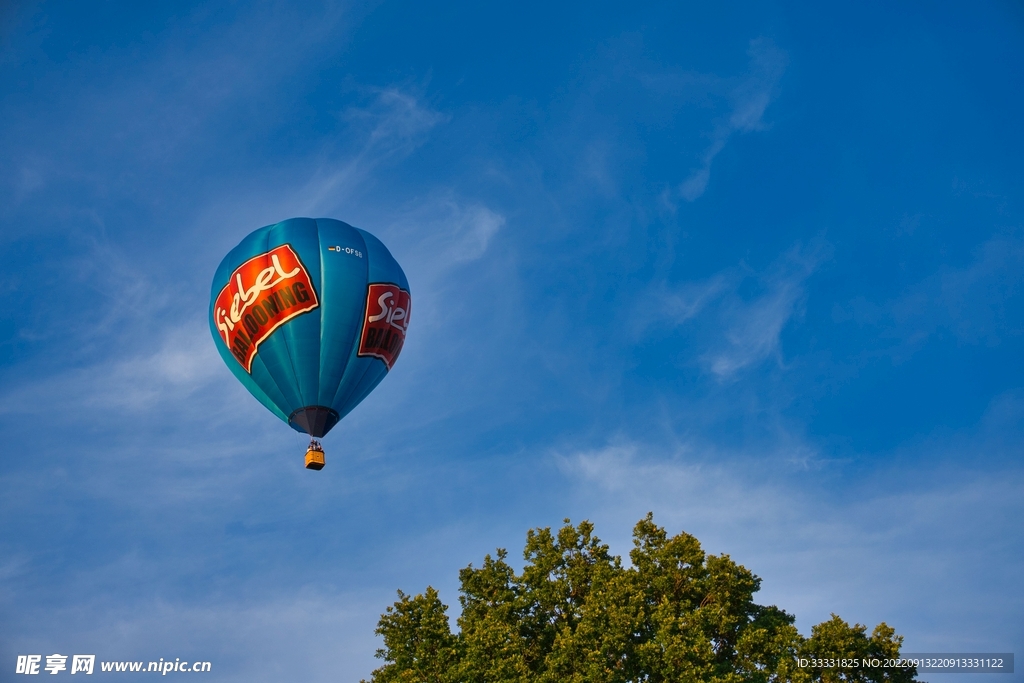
(757, 268)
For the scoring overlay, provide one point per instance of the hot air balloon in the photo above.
(310, 315)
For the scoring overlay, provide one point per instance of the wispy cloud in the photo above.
(252, 639)
(336, 178)
(752, 328)
(737, 331)
(174, 376)
(144, 114)
(444, 231)
(750, 98)
(185, 362)
(977, 302)
(472, 232)
(874, 554)
(397, 119)
(677, 304)
(393, 124)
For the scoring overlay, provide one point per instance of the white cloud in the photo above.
(393, 124)
(185, 362)
(151, 110)
(972, 300)
(312, 634)
(754, 327)
(750, 98)
(435, 239)
(397, 118)
(446, 232)
(472, 232)
(977, 302)
(737, 331)
(330, 183)
(883, 551)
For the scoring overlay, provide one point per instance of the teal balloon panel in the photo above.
(310, 315)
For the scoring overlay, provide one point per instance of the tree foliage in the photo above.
(577, 615)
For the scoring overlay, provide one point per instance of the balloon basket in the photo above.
(315, 456)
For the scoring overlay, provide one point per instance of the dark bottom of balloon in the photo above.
(314, 420)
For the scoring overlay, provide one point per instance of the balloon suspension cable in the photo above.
(314, 445)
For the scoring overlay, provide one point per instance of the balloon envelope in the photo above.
(310, 315)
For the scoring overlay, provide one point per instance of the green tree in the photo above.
(418, 642)
(576, 615)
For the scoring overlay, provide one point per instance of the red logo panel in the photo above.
(262, 294)
(387, 319)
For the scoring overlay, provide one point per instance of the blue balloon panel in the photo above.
(310, 315)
